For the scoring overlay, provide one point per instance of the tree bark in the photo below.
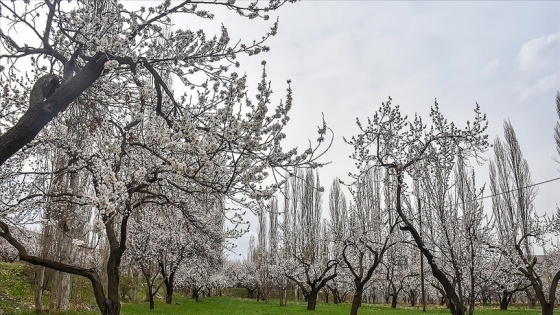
(64, 292)
(312, 300)
(394, 298)
(356, 302)
(38, 287)
(39, 115)
(547, 309)
(504, 301)
(168, 292)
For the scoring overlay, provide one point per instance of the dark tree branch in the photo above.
(39, 115)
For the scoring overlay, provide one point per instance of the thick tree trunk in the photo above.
(312, 300)
(356, 302)
(547, 309)
(412, 301)
(169, 283)
(39, 115)
(394, 298)
(168, 293)
(113, 281)
(504, 302)
(117, 247)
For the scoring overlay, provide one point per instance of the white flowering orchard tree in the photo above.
(143, 142)
(392, 141)
(242, 274)
(502, 279)
(455, 225)
(197, 273)
(161, 240)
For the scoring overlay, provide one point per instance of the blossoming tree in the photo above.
(145, 143)
(407, 147)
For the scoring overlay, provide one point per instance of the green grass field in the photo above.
(16, 298)
(237, 306)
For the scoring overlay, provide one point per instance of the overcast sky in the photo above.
(346, 57)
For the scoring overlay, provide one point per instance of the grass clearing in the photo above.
(239, 306)
(16, 298)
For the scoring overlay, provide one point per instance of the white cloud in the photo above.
(492, 67)
(539, 53)
(548, 83)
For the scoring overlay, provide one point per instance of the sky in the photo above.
(346, 57)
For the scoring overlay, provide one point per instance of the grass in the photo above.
(16, 291)
(16, 298)
(238, 306)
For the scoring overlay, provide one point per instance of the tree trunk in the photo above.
(169, 287)
(394, 300)
(356, 302)
(117, 247)
(112, 309)
(149, 291)
(504, 302)
(53, 294)
(336, 295)
(168, 293)
(312, 300)
(38, 286)
(456, 309)
(532, 299)
(64, 292)
(135, 285)
(281, 296)
(547, 309)
(196, 293)
(250, 293)
(113, 280)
